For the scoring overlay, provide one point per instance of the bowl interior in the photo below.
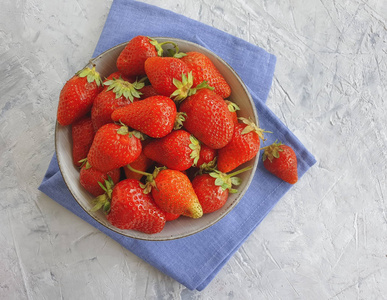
(183, 226)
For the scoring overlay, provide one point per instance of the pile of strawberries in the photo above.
(158, 139)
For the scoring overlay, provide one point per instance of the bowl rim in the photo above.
(151, 237)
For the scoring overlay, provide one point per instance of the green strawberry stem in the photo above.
(160, 50)
(239, 171)
(150, 178)
(226, 181)
(138, 171)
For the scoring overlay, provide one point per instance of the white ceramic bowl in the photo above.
(183, 226)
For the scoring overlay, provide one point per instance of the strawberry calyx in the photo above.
(232, 107)
(226, 181)
(179, 120)
(195, 147)
(208, 167)
(85, 163)
(184, 87)
(124, 130)
(251, 126)
(150, 178)
(125, 88)
(91, 75)
(103, 201)
(272, 151)
(203, 85)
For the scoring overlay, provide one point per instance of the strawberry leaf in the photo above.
(182, 86)
(252, 127)
(91, 75)
(232, 107)
(124, 88)
(195, 147)
(179, 120)
(272, 151)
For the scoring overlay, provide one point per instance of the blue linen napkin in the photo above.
(195, 260)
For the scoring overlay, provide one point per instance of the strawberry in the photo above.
(208, 118)
(243, 146)
(204, 70)
(233, 108)
(213, 189)
(132, 58)
(179, 150)
(77, 96)
(166, 76)
(280, 160)
(171, 217)
(113, 147)
(211, 196)
(154, 116)
(82, 133)
(91, 178)
(130, 208)
(117, 93)
(206, 157)
(173, 192)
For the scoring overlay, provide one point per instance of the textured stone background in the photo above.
(326, 239)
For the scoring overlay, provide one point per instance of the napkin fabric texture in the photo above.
(195, 260)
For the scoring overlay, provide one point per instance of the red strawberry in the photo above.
(77, 96)
(179, 150)
(243, 146)
(233, 108)
(91, 178)
(131, 60)
(165, 75)
(207, 157)
(130, 208)
(204, 70)
(171, 217)
(281, 161)
(117, 93)
(82, 133)
(208, 118)
(173, 192)
(211, 196)
(154, 116)
(113, 147)
(213, 189)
